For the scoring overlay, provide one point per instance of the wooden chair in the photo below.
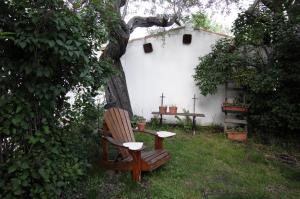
(116, 131)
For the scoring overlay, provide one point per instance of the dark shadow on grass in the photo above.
(237, 196)
(290, 173)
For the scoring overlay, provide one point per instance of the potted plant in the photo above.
(141, 123)
(138, 122)
(163, 109)
(235, 106)
(173, 109)
(237, 134)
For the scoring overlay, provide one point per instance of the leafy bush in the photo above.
(136, 119)
(263, 57)
(46, 49)
(87, 114)
(154, 122)
(186, 123)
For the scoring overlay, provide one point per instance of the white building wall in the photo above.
(169, 70)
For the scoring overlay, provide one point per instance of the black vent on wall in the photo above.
(148, 48)
(187, 38)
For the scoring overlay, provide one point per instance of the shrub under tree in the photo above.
(46, 49)
(264, 58)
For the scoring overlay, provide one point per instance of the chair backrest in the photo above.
(118, 122)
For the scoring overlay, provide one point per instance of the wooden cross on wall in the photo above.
(162, 99)
(194, 98)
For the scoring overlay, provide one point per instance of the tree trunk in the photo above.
(119, 32)
(116, 90)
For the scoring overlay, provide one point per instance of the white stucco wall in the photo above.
(169, 69)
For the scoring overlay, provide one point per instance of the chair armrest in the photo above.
(119, 144)
(158, 142)
(114, 142)
(150, 132)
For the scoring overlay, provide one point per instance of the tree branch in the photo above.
(269, 4)
(125, 10)
(122, 3)
(274, 5)
(163, 21)
(252, 7)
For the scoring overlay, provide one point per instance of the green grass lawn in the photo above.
(206, 165)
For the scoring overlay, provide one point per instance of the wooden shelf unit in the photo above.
(230, 119)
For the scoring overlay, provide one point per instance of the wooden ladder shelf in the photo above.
(235, 114)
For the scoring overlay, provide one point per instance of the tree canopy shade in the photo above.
(46, 49)
(166, 13)
(263, 57)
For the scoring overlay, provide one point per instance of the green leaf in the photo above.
(51, 43)
(46, 129)
(54, 150)
(22, 44)
(33, 140)
(16, 120)
(12, 168)
(60, 184)
(19, 108)
(43, 173)
(24, 165)
(59, 42)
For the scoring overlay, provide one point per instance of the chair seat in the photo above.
(152, 159)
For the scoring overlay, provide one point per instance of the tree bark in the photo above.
(116, 90)
(163, 21)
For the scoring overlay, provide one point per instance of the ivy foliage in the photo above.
(263, 57)
(46, 50)
(223, 64)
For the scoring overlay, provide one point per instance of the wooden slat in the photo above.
(115, 123)
(158, 157)
(108, 121)
(147, 153)
(149, 156)
(235, 121)
(128, 124)
(157, 153)
(159, 163)
(144, 153)
(111, 125)
(116, 126)
(120, 126)
(114, 129)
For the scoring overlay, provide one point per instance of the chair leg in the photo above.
(158, 143)
(104, 149)
(136, 165)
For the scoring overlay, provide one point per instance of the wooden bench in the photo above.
(194, 115)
